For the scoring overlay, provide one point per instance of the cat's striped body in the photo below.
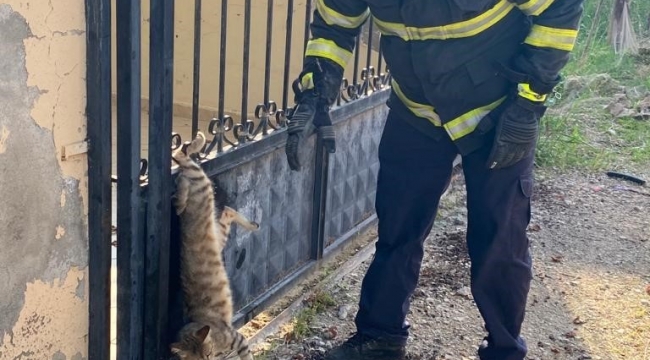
(205, 226)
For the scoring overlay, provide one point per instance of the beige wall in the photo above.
(43, 262)
(210, 53)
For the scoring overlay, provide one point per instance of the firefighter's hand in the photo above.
(305, 120)
(516, 133)
(315, 90)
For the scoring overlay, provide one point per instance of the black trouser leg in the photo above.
(414, 170)
(498, 214)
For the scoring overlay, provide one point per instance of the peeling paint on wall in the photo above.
(41, 331)
(43, 262)
(56, 69)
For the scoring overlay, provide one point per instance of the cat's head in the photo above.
(194, 343)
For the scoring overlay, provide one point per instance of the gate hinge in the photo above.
(74, 149)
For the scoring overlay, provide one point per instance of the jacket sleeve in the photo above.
(547, 48)
(335, 25)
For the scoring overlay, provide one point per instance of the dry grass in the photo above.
(612, 312)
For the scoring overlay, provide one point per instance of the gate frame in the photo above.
(144, 213)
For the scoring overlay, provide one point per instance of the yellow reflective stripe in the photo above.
(333, 17)
(460, 29)
(466, 28)
(329, 50)
(527, 93)
(391, 29)
(307, 81)
(554, 38)
(466, 123)
(421, 110)
(535, 7)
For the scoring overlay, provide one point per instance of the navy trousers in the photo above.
(414, 170)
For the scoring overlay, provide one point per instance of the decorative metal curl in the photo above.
(369, 80)
(244, 132)
(264, 113)
(177, 141)
(142, 173)
(218, 128)
(144, 170)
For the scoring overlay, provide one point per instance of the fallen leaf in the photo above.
(557, 258)
(578, 321)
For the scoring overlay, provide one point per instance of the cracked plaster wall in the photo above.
(43, 212)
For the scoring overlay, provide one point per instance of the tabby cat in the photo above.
(205, 224)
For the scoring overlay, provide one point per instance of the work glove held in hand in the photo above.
(516, 133)
(311, 113)
(300, 127)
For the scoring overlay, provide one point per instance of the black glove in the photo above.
(516, 132)
(315, 91)
(308, 116)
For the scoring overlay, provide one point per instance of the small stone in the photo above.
(343, 312)
(464, 291)
(459, 221)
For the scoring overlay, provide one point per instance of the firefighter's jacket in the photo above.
(446, 56)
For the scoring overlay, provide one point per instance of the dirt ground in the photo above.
(590, 296)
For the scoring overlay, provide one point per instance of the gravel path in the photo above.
(590, 297)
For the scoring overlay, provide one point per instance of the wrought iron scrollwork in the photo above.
(270, 116)
(177, 142)
(142, 173)
(244, 132)
(369, 82)
(218, 129)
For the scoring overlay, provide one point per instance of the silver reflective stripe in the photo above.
(332, 17)
(466, 123)
(465, 28)
(421, 110)
(329, 50)
(554, 38)
(461, 29)
(535, 7)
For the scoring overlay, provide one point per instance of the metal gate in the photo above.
(303, 215)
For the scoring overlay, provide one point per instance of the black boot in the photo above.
(360, 347)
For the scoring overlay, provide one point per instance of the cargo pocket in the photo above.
(526, 187)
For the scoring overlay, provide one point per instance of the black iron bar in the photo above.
(267, 65)
(98, 87)
(319, 206)
(287, 56)
(355, 72)
(223, 46)
(197, 66)
(368, 79)
(307, 29)
(246, 61)
(159, 188)
(380, 58)
(130, 249)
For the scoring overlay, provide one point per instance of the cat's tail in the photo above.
(183, 158)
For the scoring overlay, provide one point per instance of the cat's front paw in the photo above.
(179, 205)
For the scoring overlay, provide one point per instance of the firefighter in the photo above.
(469, 77)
